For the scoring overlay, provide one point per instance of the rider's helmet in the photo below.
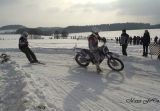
(95, 31)
(25, 34)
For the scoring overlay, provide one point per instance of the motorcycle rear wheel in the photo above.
(77, 58)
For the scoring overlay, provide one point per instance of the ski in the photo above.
(38, 63)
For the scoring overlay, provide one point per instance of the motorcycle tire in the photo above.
(113, 62)
(81, 64)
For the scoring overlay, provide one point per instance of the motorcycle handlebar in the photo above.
(104, 40)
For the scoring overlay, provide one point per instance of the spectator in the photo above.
(141, 40)
(130, 40)
(146, 42)
(124, 42)
(159, 46)
(156, 40)
(117, 40)
(134, 40)
(159, 41)
(138, 40)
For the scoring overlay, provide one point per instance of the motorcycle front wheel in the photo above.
(115, 64)
(81, 61)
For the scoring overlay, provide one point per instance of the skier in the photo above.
(23, 46)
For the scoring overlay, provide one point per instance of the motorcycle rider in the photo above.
(93, 46)
(23, 46)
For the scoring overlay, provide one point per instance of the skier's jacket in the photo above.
(23, 42)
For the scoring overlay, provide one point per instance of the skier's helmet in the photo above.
(25, 34)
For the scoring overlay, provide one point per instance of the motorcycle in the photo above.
(84, 57)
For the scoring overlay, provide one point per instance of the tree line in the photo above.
(37, 31)
(63, 32)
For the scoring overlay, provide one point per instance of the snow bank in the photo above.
(18, 91)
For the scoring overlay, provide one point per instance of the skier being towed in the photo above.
(23, 46)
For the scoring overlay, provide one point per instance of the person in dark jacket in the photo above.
(146, 42)
(159, 47)
(134, 40)
(156, 40)
(130, 40)
(23, 46)
(124, 42)
(159, 41)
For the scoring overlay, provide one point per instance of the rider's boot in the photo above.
(98, 69)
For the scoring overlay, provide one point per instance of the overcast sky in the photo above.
(61, 13)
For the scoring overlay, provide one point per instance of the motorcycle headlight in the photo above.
(105, 50)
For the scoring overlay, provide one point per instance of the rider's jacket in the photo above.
(93, 41)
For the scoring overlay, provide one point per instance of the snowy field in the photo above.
(113, 34)
(107, 34)
(61, 85)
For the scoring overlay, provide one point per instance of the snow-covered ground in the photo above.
(61, 85)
